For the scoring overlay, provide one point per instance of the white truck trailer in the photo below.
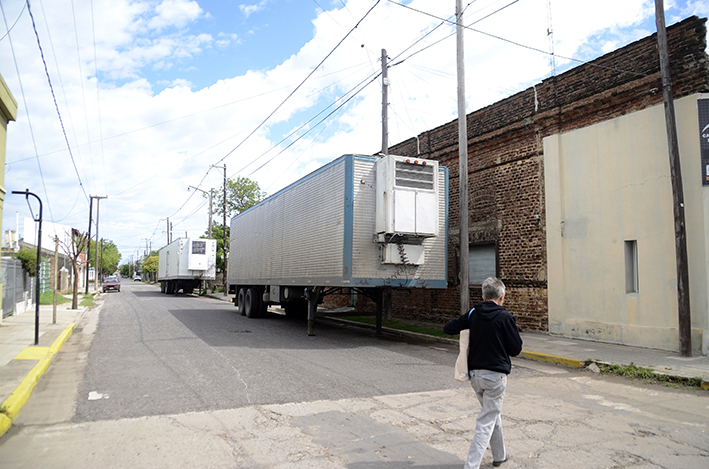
(185, 263)
(361, 223)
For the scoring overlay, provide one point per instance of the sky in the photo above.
(137, 100)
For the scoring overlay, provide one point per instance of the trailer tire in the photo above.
(241, 300)
(252, 303)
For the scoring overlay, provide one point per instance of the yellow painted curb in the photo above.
(547, 357)
(32, 353)
(18, 398)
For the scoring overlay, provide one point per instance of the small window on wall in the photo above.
(482, 263)
(631, 266)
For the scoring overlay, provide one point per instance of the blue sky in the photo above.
(182, 83)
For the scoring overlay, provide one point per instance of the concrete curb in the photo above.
(13, 405)
(549, 358)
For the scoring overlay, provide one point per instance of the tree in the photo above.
(28, 258)
(150, 265)
(241, 194)
(218, 234)
(125, 270)
(108, 256)
(79, 241)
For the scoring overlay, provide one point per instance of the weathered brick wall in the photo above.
(506, 163)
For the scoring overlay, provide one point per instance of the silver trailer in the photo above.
(360, 222)
(185, 263)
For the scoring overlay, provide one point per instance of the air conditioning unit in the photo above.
(407, 197)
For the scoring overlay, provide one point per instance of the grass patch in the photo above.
(87, 300)
(649, 376)
(401, 326)
(47, 298)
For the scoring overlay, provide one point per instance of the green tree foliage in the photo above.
(108, 256)
(218, 234)
(150, 265)
(125, 270)
(28, 258)
(241, 194)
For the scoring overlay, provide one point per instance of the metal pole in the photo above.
(226, 264)
(56, 279)
(462, 165)
(27, 193)
(683, 308)
(385, 123)
(88, 249)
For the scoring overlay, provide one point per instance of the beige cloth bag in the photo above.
(461, 364)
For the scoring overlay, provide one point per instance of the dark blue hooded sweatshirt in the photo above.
(494, 336)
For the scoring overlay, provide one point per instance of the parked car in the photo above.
(137, 278)
(111, 283)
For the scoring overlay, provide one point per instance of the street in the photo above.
(158, 380)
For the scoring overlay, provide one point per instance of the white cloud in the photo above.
(248, 10)
(174, 13)
(161, 132)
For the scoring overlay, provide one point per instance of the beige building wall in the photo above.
(610, 183)
(8, 112)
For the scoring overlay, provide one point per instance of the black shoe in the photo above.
(499, 463)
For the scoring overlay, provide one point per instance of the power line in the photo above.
(13, 24)
(24, 100)
(509, 41)
(301, 83)
(56, 106)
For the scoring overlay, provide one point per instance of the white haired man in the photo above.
(494, 338)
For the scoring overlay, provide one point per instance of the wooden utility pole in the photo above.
(462, 165)
(386, 291)
(683, 310)
(96, 263)
(385, 117)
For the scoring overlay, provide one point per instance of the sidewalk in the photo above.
(22, 364)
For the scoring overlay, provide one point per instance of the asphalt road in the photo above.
(161, 354)
(162, 381)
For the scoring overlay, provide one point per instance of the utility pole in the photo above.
(209, 229)
(462, 165)
(385, 118)
(683, 309)
(88, 248)
(386, 291)
(96, 269)
(226, 264)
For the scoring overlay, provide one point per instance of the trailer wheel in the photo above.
(252, 303)
(240, 300)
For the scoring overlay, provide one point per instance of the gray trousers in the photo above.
(489, 387)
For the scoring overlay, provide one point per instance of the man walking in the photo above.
(494, 338)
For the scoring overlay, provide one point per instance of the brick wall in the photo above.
(506, 164)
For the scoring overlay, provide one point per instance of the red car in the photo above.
(111, 283)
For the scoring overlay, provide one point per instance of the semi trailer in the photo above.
(359, 223)
(185, 263)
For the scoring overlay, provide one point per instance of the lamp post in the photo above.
(27, 193)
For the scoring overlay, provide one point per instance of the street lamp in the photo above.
(209, 229)
(27, 193)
